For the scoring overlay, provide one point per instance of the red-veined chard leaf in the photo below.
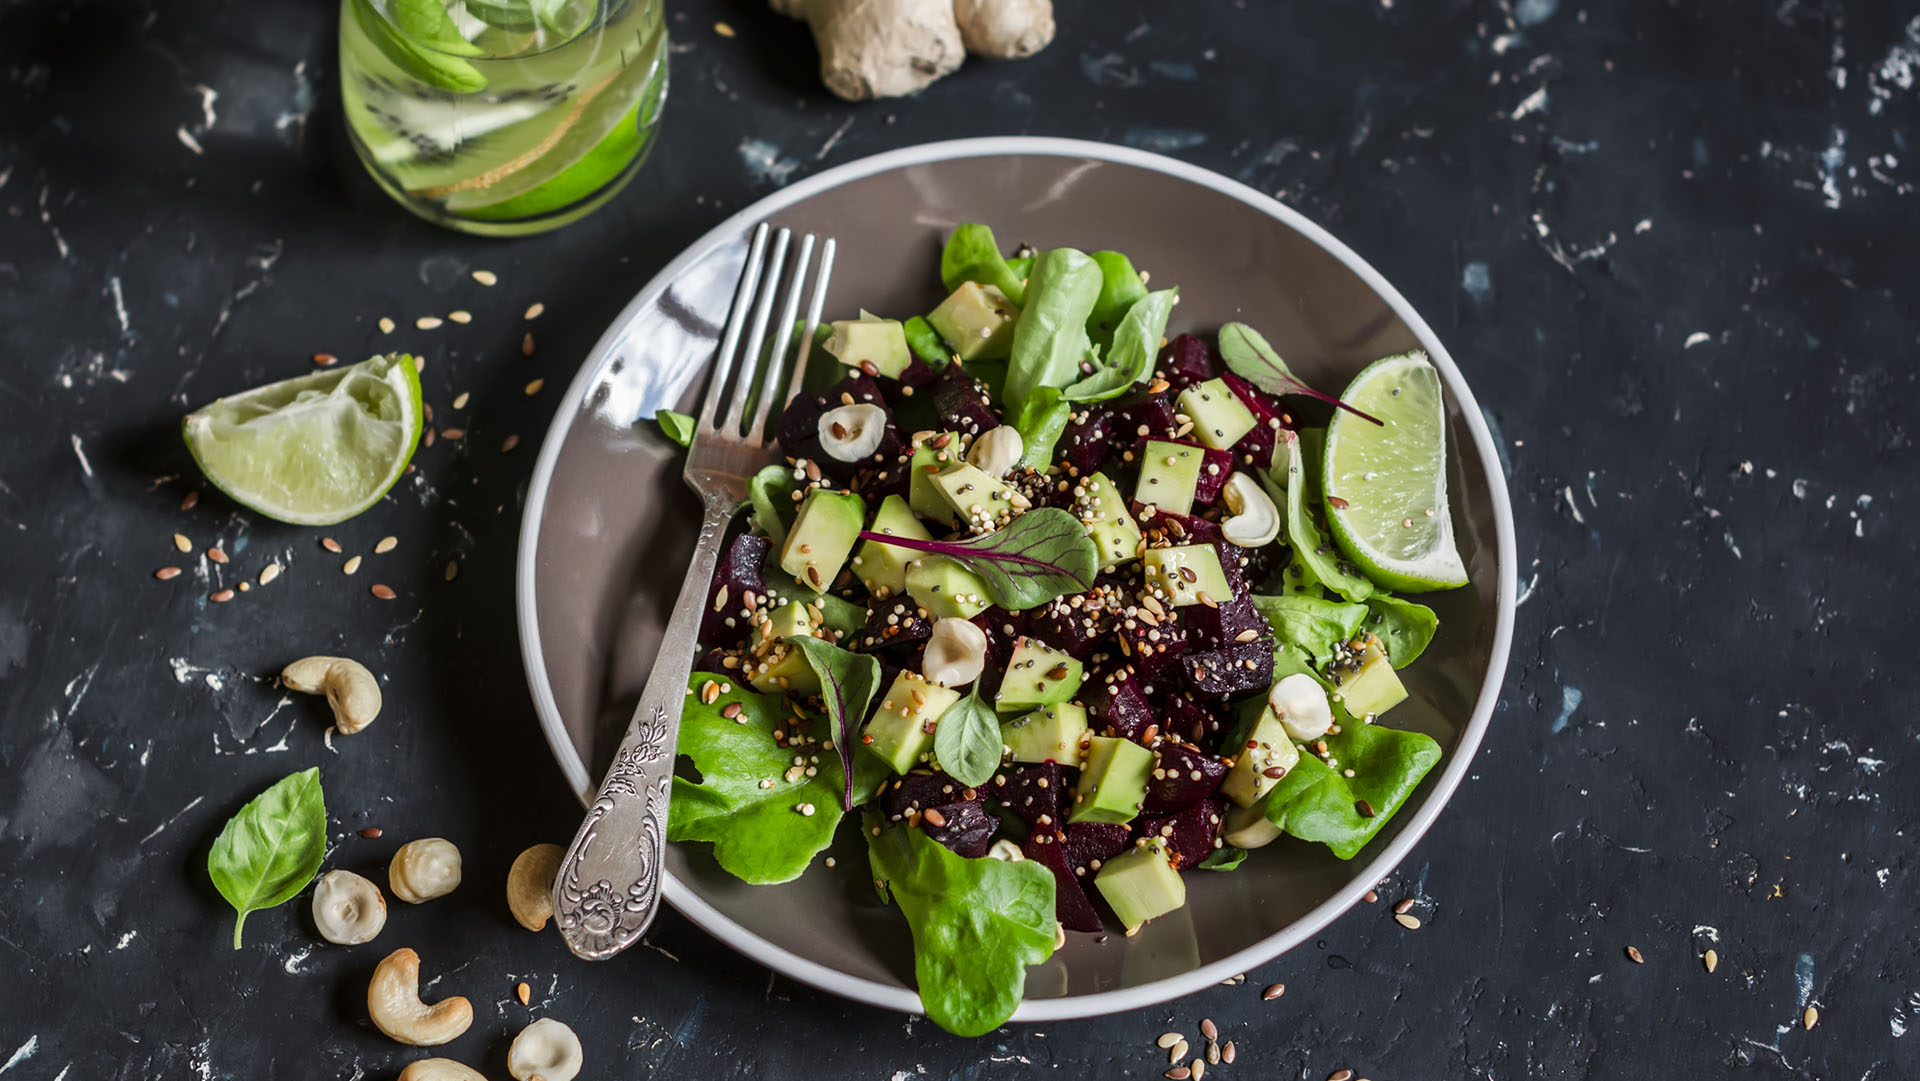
(848, 682)
(1250, 357)
(1042, 554)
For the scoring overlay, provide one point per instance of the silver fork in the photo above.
(608, 887)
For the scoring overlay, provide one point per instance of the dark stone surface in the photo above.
(1672, 245)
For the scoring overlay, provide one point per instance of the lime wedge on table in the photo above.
(314, 450)
(1386, 484)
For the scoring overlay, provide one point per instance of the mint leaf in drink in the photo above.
(1248, 356)
(427, 47)
(848, 682)
(1042, 554)
(966, 740)
(512, 15)
(271, 848)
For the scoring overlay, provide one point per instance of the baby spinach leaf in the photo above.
(848, 682)
(971, 255)
(926, 342)
(966, 740)
(1312, 624)
(272, 847)
(1136, 342)
(769, 493)
(1312, 551)
(1040, 422)
(1021, 265)
(675, 426)
(1248, 356)
(1042, 554)
(1404, 627)
(1050, 340)
(1317, 802)
(977, 925)
(1120, 289)
(1224, 858)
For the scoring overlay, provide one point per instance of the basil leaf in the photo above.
(1404, 627)
(1042, 554)
(769, 492)
(1316, 802)
(1311, 624)
(1313, 553)
(1040, 423)
(1248, 356)
(512, 15)
(1136, 342)
(977, 924)
(428, 59)
(848, 682)
(926, 342)
(1120, 289)
(676, 426)
(1050, 340)
(1224, 858)
(971, 255)
(966, 740)
(271, 848)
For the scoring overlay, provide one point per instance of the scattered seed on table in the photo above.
(1370, 897)
(246, 587)
(507, 444)
(1208, 1029)
(1273, 992)
(453, 433)
(1227, 1053)
(428, 322)
(214, 553)
(462, 317)
(325, 360)
(1177, 1052)
(386, 325)
(524, 992)
(382, 592)
(460, 402)
(427, 440)
(189, 501)
(419, 363)
(453, 569)
(1340, 1075)
(426, 410)
(1168, 1039)
(723, 30)
(1179, 1073)
(351, 566)
(1213, 1053)
(533, 388)
(485, 277)
(330, 545)
(1711, 959)
(165, 573)
(1810, 1018)
(1404, 906)
(526, 345)
(269, 572)
(1199, 1069)
(221, 597)
(535, 310)
(372, 832)
(181, 542)
(387, 544)
(1633, 954)
(1411, 923)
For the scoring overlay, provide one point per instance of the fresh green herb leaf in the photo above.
(1040, 423)
(1313, 554)
(1136, 342)
(1224, 858)
(427, 58)
(676, 426)
(966, 740)
(271, 848)
(1042, 554)
(1050, 340)
(564, 19)
(1404, 627)
(848, 682)
(1248, 356)
(1120, 289)
(1311, 624)
(769, 492)
(1021, 265)
(977, 925)
(513, 15)
(1316, 802)
(971, 255)
(926, 342)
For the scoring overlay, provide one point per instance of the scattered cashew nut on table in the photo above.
(530, 885)
(393, 1001)
(440, 1069)
(351, 690)
(424, 869)
(546, 1050)
(348, 909)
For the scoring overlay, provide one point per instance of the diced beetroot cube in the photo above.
(1152, 646)
(1148, 417)
(1033, 794)
(1090, 844)
(799, 430)
(739, 572)
(962, 402)
(1115, 702)
(1213, 627)
(1189, 834)
(1088, 439)
(964, 827)
(1254, 451)
(1002, 628)
(1073, 624)
(1263, 406)
(891, 622)
(920, 790)
(1183, 718)
(1175, 528)
(1070, 904)
(915, 377)
(1233, 670)
(1187, 360)
(713, 660)
(1183, 775)
(1215, 467)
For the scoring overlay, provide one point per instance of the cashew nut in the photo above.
(348, 909)
(1004, 849)
(1249, 827)
(852, 433)
(424, 869)
(530, 885)
(1255, 520)
(351, 690)
(546, 1050)
(996, 452)
(393, 1001)
(956, 653)
(440, 1069)
(1300, 703)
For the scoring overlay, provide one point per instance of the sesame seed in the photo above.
(428, 322)
(269, 572)
(386, 325)
(1411, 923)
(325, 360)
(1633, 954)
(535, 310)
(1711, 959)
(182, 543)
(419, 364)
(221, 597)
(351, 566)
(165, 573)
(486, 277)
(382, 592)
(460, 401)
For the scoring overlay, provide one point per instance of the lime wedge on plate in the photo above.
(1386, 484)
(314, 450)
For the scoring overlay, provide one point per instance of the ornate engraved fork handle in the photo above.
(608, 888)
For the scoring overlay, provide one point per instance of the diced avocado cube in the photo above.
(1364, 682)
(945, 588)
(1169, 474)
(930, 457)
(1037, 675)
(871, 341)
(1113, 782)
(1185, 571)
(1219, 417)
(976, 322)
(983, 502)
(1141, 883)
(1260, 761)
(1048, 734)
(1099, 505)
(788, 620)
(822, 537)
(782, 668)
(883, 567)
(901, 731)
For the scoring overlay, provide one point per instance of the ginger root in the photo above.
(890, 48)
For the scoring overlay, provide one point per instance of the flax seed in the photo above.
(351, 566)
(1199, 1069)
(330, 545)
(164, 573)
(419, 364)
(526, 344)
(731, 710)
(269, 572)
(1227, 1053)
(1411, 923)
(1247, 635)
(387, 544)
(221, 597)
(934, 818)
(1178, 1073)
(523, 992)
(453, 433)
(462, 317)
(1340, 1075)
(1168, 1039)
(535, 310)
(1213, 1053)
(428, 322)
(1810, 1018)
(1711, 959)
(190, 500)
(507, 444)
(460, 400)
(216, 554)
(325, 360)
(372, 833)
(1403, 906)
(382, 592)
(1273, 992)
(1208, 1029)
(428, 438)
(533, 388)
(486, 277)
(1633, 954)
(181, 542)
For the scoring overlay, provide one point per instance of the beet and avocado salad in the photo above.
(1064, 613)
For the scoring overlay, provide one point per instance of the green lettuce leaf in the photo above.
(1050, 340)
(1120, 289)
(925, 342)
(1404, 627)
(1315, 560)
(675, 426)
(1312, 624)
(769, 493)
(1224, 858)
(1040, 422)
(1136, 342)
(971, 255)
(977, 925)
(1315, 802)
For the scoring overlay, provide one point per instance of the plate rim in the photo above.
(1071, 1007)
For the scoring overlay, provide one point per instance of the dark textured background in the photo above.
(1671, 244)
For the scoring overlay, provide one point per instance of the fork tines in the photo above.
(759, 383)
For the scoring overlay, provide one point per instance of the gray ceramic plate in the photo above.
(609, 526)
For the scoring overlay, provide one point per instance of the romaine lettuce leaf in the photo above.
(1050, 340)
(972, 255)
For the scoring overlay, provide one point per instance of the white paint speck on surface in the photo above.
(1642, 226)
(120, 304)
(1533, 103)
(81, 453)
(187, 140)
(1570, 699)
(295, 959)
(1698, 337)
(765, 163)
(23, 1053)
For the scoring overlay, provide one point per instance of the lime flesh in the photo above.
(1386, 484)
(314, 450)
